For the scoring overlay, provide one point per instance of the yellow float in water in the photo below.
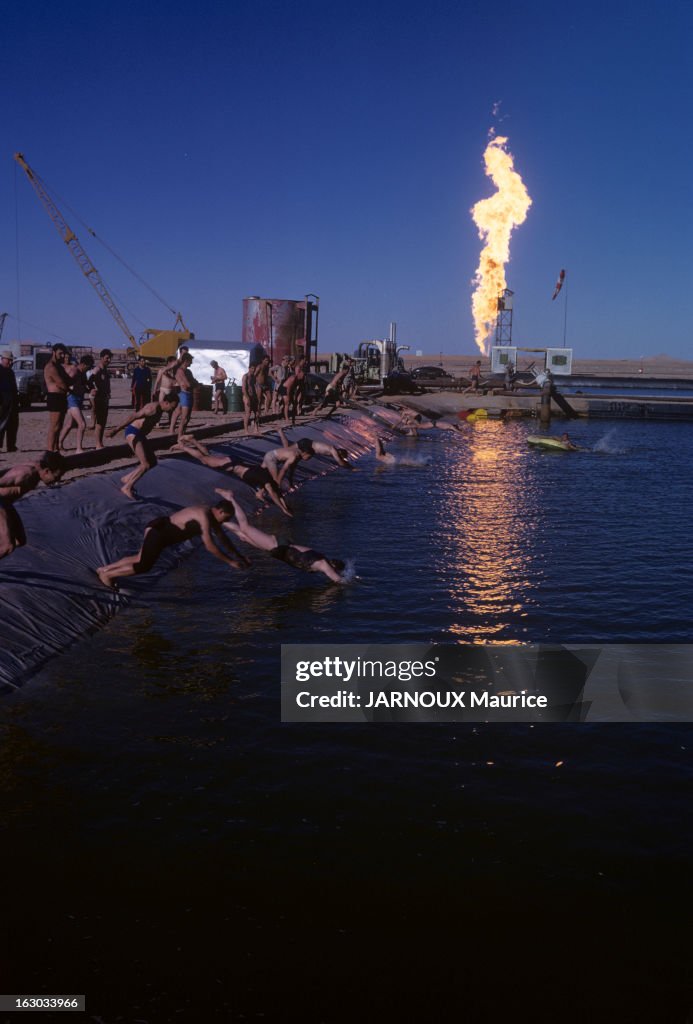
(478, 414)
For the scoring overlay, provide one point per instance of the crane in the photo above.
(170, 338)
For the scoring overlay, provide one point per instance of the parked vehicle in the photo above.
(29, 381)
(401, 384)
(431, 373)
(316, 385)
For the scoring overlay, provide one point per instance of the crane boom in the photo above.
(74, 245)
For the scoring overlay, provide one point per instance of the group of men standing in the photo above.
(66, 388)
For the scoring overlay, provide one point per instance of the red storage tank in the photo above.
(284, 327)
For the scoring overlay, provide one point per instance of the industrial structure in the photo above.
(284, 327)
(154, 343)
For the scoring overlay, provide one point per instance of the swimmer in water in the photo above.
(167, 531)
(295, 555)
(383, 456)
(567, 443)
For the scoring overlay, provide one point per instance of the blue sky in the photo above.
(276, 149)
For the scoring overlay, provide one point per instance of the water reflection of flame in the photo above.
(488, 536)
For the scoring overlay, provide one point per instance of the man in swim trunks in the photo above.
(256, 477)
(381, 455)
(263, 388)
(101, 380)
(293, 392)
(186, 382)
(474, 378)
(329, 451)
(202, 521)
(15, 482)
(295, 555)
(281, 373)
(57, 386)
(568, 443)
(251, 400)
(165, 383)
(219, 377)
(75, 401)
(333, 391)
(289, 455)
(136, 428)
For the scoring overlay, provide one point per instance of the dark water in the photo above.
(174, 851)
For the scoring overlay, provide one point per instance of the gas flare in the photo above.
(495, 218)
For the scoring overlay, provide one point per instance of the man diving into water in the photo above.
(289, 455)
(255, 477)
(295, 555)
(166, 531)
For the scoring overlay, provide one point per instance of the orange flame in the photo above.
(495, 218)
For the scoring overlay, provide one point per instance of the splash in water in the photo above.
(607, 444)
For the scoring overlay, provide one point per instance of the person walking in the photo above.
(75, 402)
(9, 402)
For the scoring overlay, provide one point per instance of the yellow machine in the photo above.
(153, 344)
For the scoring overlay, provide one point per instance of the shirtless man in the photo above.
(567, 442)
(333, 391)
(474, 378)
(251, 401)
(136, 428)
(329, 451)
(202, 521)
(186, 382)
(410, 423)
(293, 392)
(263, 388)
(295, 555)
(280, 461)
(101, 379)
(219, 377)
(304, 449)
(255, 477)
(281, 374)
(75, 401)
(381, 455)
(57, 386)
(15, 482)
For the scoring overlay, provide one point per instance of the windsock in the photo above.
(559, 284)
